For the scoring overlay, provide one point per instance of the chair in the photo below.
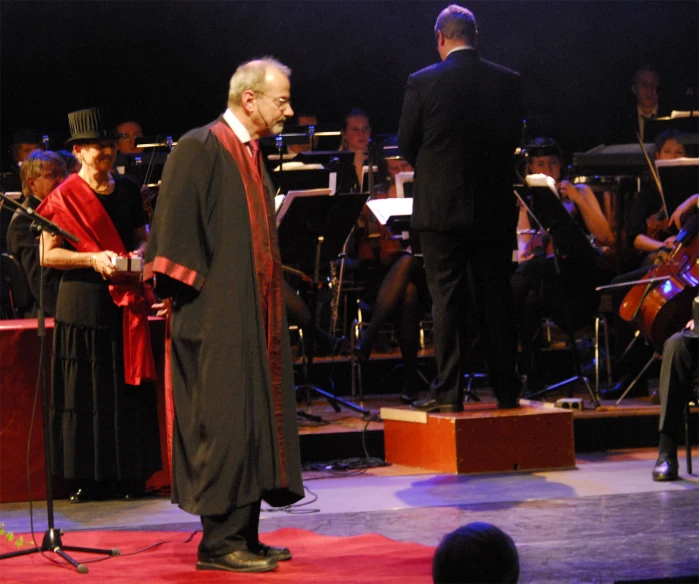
(14, 289)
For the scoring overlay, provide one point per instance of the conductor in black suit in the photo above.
(460, 124)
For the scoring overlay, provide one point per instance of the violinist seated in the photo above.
(678, 372)
(570, 300)
(649, 231)
(395, 285)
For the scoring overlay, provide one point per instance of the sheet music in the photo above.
(291, 195)
(384, 209)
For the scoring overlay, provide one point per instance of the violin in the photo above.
(377, 243)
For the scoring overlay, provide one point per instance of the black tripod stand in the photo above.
(316, 225)
(51, 541)
(568, 242)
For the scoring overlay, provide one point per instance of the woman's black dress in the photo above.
(102, 428)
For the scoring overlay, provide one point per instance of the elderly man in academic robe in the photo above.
(214, 251)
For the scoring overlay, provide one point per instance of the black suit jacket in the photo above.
(460, 124)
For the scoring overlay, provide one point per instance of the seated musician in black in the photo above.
(41, 172)
(678, 371)
(649, 231)
(395, 284)
(572, 300)
(356, 136)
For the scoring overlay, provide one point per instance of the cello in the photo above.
(663, 305)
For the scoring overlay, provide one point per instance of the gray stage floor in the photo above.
(602, 522)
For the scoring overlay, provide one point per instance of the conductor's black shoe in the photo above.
(432, 405)
(666, 468)
(279, 554)
(239, 561)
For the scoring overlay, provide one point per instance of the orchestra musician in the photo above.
(395, 285)
(649, 231)
(646, 105)
(41, 172)
(356, 135)
(572, 300)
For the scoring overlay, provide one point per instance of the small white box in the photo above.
(128, 264)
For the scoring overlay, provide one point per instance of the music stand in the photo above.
(568, 241)
(312, 230)
(679, 178)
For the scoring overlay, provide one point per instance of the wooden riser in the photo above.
(481, 439)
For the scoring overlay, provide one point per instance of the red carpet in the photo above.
(317, 559)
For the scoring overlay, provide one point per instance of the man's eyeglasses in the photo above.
(280, 102)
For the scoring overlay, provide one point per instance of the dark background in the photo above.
(169, 62)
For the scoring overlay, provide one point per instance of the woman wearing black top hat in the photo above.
(104, 418)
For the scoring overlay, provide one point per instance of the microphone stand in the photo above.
(52, 537)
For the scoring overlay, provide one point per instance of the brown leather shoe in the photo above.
(240, 561)
(279, 554)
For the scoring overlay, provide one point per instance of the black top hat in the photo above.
(90, 125)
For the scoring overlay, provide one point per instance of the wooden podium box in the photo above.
(481, 439)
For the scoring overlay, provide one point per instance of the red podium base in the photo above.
(481, 439)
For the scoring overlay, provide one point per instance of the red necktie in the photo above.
(255, 152)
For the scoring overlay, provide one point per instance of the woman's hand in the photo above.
(570, 191)
(103, 263)
(160, 308)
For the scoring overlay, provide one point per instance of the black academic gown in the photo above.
(229, 447)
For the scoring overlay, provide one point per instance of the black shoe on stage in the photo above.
(83, 495)
(89, 490)
(666, 468)
(432, 405)
(280, 554)
(240, 561)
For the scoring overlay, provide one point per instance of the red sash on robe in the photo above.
(75, 208)
(268, 266)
